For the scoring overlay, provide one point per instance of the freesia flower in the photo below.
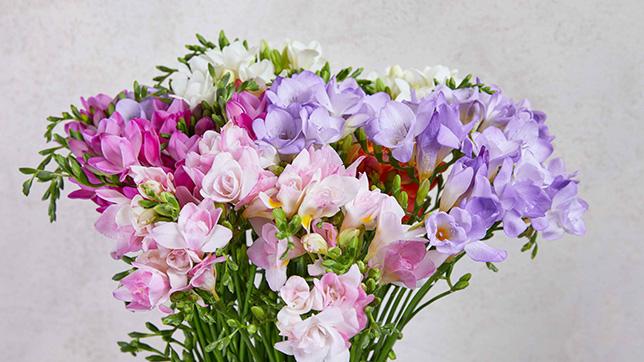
(322, 337)
(297, 295)
(204, 274)
(144, 289)
(196, 230)
(459, 230)
(396, 128)
(266, 252)
(406, 263)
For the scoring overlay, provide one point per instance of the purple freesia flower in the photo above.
(459, 230)
(321, 128)
(520, 199)
(281, 129)
(396, 127)
(468, 177)
(305, 88)
(567, 210)
(444, 133)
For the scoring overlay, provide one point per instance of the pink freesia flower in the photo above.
(152, 178)
(196, 230)
(119, 153)
(365, 207)
(230, 181)
(125, 221)
(144, 289)
(324, 198)
(204, 274)
(174, 263)
(322, 337)
(345, 292)
(391, 229)
(266, 253)
(406, 263)
(297, 295)
(244, 108)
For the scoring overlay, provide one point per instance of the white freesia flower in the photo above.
(264, 70)
(194, 84)
(402, 81)
(305, 56)
(231, 58)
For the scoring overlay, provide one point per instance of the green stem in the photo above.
(200, 336)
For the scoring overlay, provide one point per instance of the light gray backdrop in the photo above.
(581, 62)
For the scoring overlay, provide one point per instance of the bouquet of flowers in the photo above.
(278, 211)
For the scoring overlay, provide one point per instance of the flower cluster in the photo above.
(256, 178)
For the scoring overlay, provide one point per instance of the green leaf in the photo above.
(157, 358)
(492, 267)
(223, 41)
(534, 251)
(151, 327)
(45, 175)
(27, 170)
(26, 186)
(121, 275)
(139, 335)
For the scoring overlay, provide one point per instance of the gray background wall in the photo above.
(581, 62)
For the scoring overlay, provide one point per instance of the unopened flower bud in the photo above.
(314, 243)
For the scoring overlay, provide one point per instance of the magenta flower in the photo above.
(243, 108)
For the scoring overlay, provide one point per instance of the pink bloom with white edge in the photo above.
(266, 252)
(297, 295)
(204, 274)
(345, 292)
(125, 221)
(144, 289)
(229, 181)
(324, 198)
(153, 178)
(391, 229)
(323, 337)
(406, 263)
(365, 207)
(174, 263)
(196, 230)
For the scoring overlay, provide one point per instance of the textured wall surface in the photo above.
(581, 62)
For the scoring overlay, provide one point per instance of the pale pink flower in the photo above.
(345, 292)
(152, 178)
(144, 289)
(228, 180)
(266, 252)
(391, 229)
(324, 198)
(174, 263)
(297, 295)
(196, 230)
(365, 207)
(125, 221)
(204, 274)
(322, 337)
